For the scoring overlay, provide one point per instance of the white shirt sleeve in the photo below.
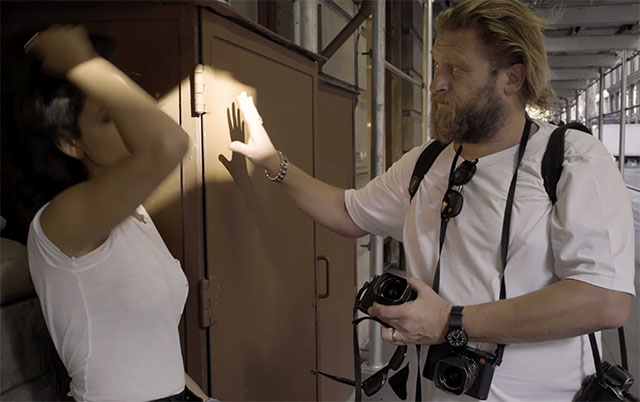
(592, 223)
(380, 206)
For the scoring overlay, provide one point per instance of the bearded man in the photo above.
(563, 270)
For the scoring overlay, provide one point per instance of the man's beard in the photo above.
(479, 119)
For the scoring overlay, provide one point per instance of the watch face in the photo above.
(457, 338)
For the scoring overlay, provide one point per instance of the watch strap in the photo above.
(455, 317)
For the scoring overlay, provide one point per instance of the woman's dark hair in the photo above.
(46, 112)
(39, 111)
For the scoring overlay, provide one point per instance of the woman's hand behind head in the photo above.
(60, 48)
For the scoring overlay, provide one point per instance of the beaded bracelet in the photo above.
(284, 162)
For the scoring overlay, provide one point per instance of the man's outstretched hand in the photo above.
(258, 147)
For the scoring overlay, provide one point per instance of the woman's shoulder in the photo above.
(43, 252)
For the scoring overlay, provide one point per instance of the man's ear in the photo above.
(516, 75)
(70, 148)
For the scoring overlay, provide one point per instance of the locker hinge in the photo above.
(206, 303)
(199, 107)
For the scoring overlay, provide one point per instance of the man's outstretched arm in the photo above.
(320, 201)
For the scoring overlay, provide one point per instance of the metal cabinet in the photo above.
(260, 251)
(270, 291)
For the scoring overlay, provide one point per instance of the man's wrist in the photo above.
(456, 335)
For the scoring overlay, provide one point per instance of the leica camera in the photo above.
(389, 289)
(460, 370)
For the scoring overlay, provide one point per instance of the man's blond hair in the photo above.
(512, 34)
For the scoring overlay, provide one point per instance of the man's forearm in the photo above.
(322, 202)
(565, 309)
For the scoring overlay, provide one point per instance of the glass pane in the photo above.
(631, 152)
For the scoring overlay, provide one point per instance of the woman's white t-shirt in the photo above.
(113, 314)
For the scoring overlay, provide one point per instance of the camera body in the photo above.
(618, 381)
(465, 371)
(389, 289)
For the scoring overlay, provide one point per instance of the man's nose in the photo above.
(439, 83)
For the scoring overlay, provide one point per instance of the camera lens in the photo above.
(393, 288)
(456, 374)
(453, 377)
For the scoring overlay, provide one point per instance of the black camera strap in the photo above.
(418, 380)
(506, 224)
(443, 225)
(357, 369)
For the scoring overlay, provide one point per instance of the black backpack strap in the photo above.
(426, 159)
(423, 164)
(552, 162)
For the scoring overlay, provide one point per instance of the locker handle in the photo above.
(323, 262)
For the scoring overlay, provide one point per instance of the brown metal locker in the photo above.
(259, 245)
(335, 255)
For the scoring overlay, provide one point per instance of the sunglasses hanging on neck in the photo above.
(453, 199)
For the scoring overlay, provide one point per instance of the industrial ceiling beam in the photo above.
(565, 94)
(592, 43)
(595, 60)
(616, 14)
(574, 74)
(574, 84)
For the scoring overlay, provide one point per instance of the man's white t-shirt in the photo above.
(586, 236)
(113, 314)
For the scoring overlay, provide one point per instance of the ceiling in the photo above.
(584, 36)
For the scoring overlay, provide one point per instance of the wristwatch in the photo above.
(456, 336)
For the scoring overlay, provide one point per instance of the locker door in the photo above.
(260, 247)
(335, 255)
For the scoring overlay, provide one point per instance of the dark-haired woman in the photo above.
(111, 293)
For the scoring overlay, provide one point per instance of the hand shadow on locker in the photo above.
(271, 233)
(237, 168)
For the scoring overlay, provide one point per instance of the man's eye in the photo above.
(105, 118)
(456, 69)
